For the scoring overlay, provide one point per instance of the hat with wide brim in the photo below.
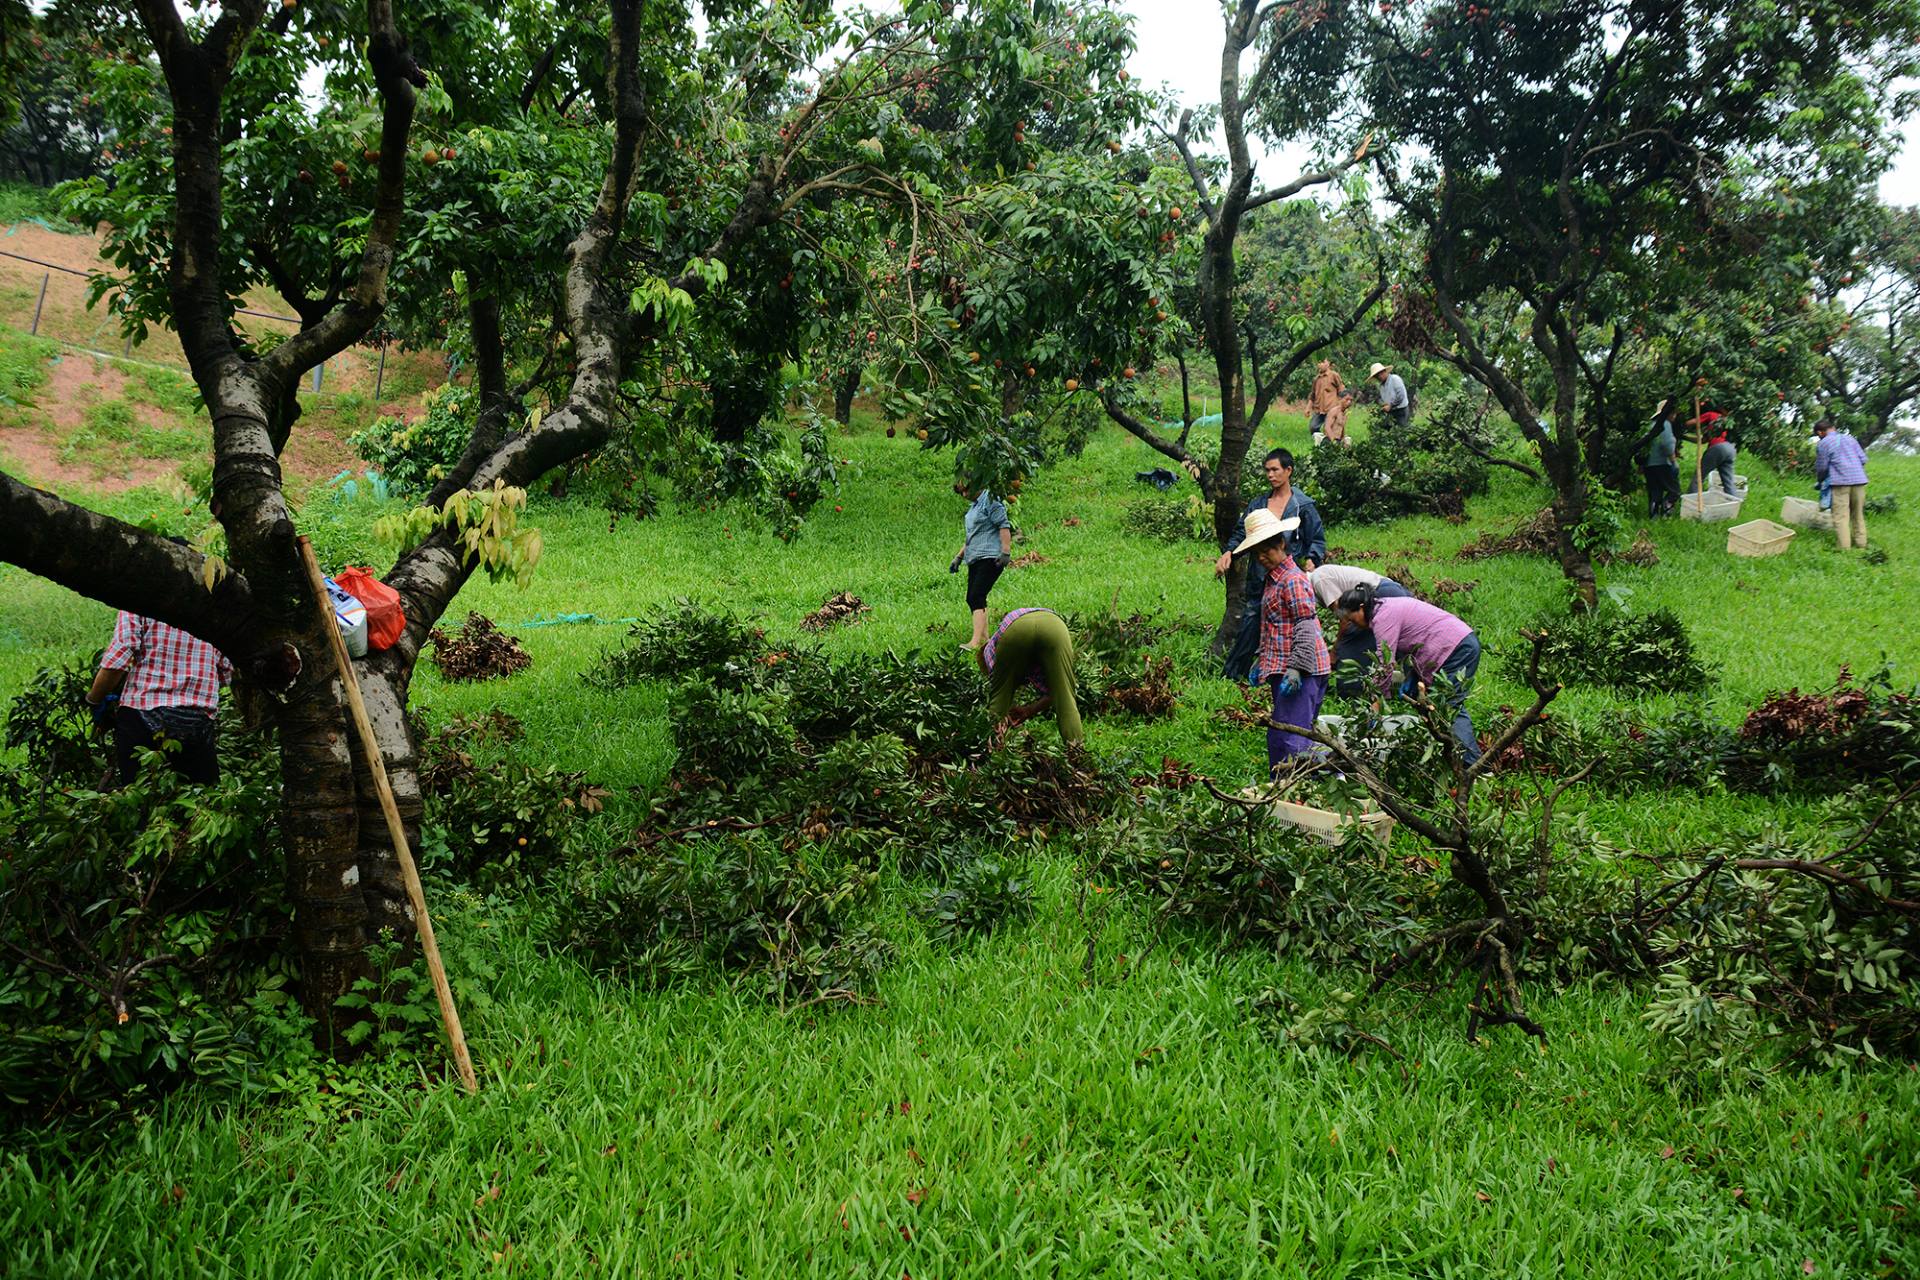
(1379, 369)
(1264, 526)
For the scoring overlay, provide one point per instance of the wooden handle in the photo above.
(376, 765)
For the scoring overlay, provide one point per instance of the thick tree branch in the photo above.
(123, 566)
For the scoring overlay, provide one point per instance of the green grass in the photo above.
(1014, 1121)
(20, 202)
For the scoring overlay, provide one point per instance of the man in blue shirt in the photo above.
(1840, 462)
(1393, 394)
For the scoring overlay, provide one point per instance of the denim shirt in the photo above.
(985, 519)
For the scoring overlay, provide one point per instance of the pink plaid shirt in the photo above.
(165, 666)
(1290, 637)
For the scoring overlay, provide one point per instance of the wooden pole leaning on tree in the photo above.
(1700, 460)
(376, 765)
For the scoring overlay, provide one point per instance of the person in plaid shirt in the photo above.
(158, 685)
(1293, 653)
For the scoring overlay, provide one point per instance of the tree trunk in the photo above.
(1569, 480)
(322, 848)
(843, 392)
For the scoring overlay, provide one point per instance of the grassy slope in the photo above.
(1146, 1128)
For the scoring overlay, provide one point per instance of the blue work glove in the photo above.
(955, 566)
(103, 711)
(1407, 688)
(1003, 559)
(1288, 684)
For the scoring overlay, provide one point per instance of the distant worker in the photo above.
(1032, 647)
(1393, 394)
(1354, 647)
(159, 688)
(1840, 463)
(1438, 651)
(1663, 473)
(1717, 453)
(1327, 405)
(1293, 651)
(1306, 543)
(986, 549)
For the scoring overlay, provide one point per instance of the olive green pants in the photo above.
(1038, 639)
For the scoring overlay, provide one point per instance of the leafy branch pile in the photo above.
(1610, 648)
(1423, 470)
(477, 651)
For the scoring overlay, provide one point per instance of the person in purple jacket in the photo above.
(1840, 463)
(1438, 650)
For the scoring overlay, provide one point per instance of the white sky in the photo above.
(1179, 45)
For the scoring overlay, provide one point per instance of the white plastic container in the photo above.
(1758, 538)
(1710, 506)
(1713, 482)
(352, 617)
(1806, 513)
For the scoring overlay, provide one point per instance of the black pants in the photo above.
(981, 575)
(187, 731)
(1663, 487)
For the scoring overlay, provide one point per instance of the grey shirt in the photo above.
(1393, 392)
(1660, 452)
(1331, 581)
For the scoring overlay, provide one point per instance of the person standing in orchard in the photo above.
(1440, 652)
(1663, 473)
(1032, 647)
(986, 549)
(1840, 463)
(1393, 394)
(1293, 652)
(1328, 402)
(1306, 543)
(159, 689)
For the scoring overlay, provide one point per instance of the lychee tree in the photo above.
(523, 194)
(1600, 162)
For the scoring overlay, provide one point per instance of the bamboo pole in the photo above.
(376, 765)
(1699, 460)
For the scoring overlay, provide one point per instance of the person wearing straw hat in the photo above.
(1032, 647)
(1306, 543)
(1393, 394)
(1293, 652)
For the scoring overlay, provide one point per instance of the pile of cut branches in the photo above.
(477, 651)
(838, 610)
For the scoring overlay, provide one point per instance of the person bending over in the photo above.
(159, 686)
(1032, 650)
(1441, 653)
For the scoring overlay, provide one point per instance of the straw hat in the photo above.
(1263, 526)
(1379, 369)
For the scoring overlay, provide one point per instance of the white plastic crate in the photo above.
(1806, 513)
(1710, 506)
(1713, 482)
(1758, 538)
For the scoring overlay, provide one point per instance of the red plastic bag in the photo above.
(385, 619)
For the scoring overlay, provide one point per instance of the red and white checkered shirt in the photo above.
(165, 666)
